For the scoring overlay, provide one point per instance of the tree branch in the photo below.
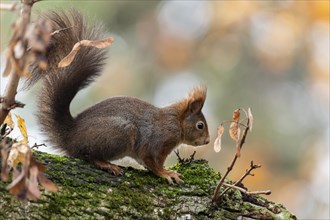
(18, 61)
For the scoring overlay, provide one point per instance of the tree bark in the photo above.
(88, 193)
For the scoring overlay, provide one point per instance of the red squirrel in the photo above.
(118, 126)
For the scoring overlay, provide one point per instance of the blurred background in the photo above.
(272, 56)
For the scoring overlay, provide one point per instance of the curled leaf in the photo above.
(49, 185)
(18, 154)
(33, 189)
(234, 130)
(236, 114)
(66, 61)
(217, 142)
(250, 117)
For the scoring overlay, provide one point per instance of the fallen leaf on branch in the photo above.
(66, 61)
(217, 142)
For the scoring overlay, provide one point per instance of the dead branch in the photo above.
(247, 173)
(19, 63)
(265, 192)
(8, 7)
(216, 196)
(185, 161)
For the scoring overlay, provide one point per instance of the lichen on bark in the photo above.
(88, 193)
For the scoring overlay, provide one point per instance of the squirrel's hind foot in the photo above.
(110, 167)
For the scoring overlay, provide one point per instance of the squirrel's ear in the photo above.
(195, 106)
(196, 99)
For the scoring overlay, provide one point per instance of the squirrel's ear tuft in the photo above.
(196, 99)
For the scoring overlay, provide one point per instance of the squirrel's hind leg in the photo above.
(110, 167)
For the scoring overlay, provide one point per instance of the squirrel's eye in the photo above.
(200, 125)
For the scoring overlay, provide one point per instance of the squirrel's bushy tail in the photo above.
(60, 85)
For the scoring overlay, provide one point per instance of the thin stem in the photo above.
(247, 172)
(240, 145)
(266, 192)
(11, 87)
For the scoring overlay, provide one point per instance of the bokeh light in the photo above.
(272, 56)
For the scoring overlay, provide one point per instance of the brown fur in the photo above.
(115, 127)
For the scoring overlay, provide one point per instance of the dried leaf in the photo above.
(34, 192)
(4, 165)
(18, 154)
(49, 185)
(250, 117)
(66, 61)
(16, 184)
(236, 115)
(98, 43)
(9, 121)
(22, 128)
(234, 130)
(217, 142)
(18, 188)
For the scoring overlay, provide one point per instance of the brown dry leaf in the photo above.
(34, 192)
(18, 188)
(39, 165)
(4, 165)
(217, 142)
(9, 121)
(250, 116)
(18, 154)
(234, 130)
(66, 61)
(236, 114)
(22, 128)
(49, 185)
(16, 185)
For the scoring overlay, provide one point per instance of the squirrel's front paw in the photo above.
(170, 175)
(110, 167)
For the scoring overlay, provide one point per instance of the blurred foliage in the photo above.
(272, 56)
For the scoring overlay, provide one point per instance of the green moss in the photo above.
(89, 193)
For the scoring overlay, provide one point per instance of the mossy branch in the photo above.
(88, 193)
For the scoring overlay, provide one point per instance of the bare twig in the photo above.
(18, 62)
(177, 153)
(8, 7)
(185, 161)
(38, 145)
(60, 30)
(240, 145)
(266, 192)
(247, 173)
